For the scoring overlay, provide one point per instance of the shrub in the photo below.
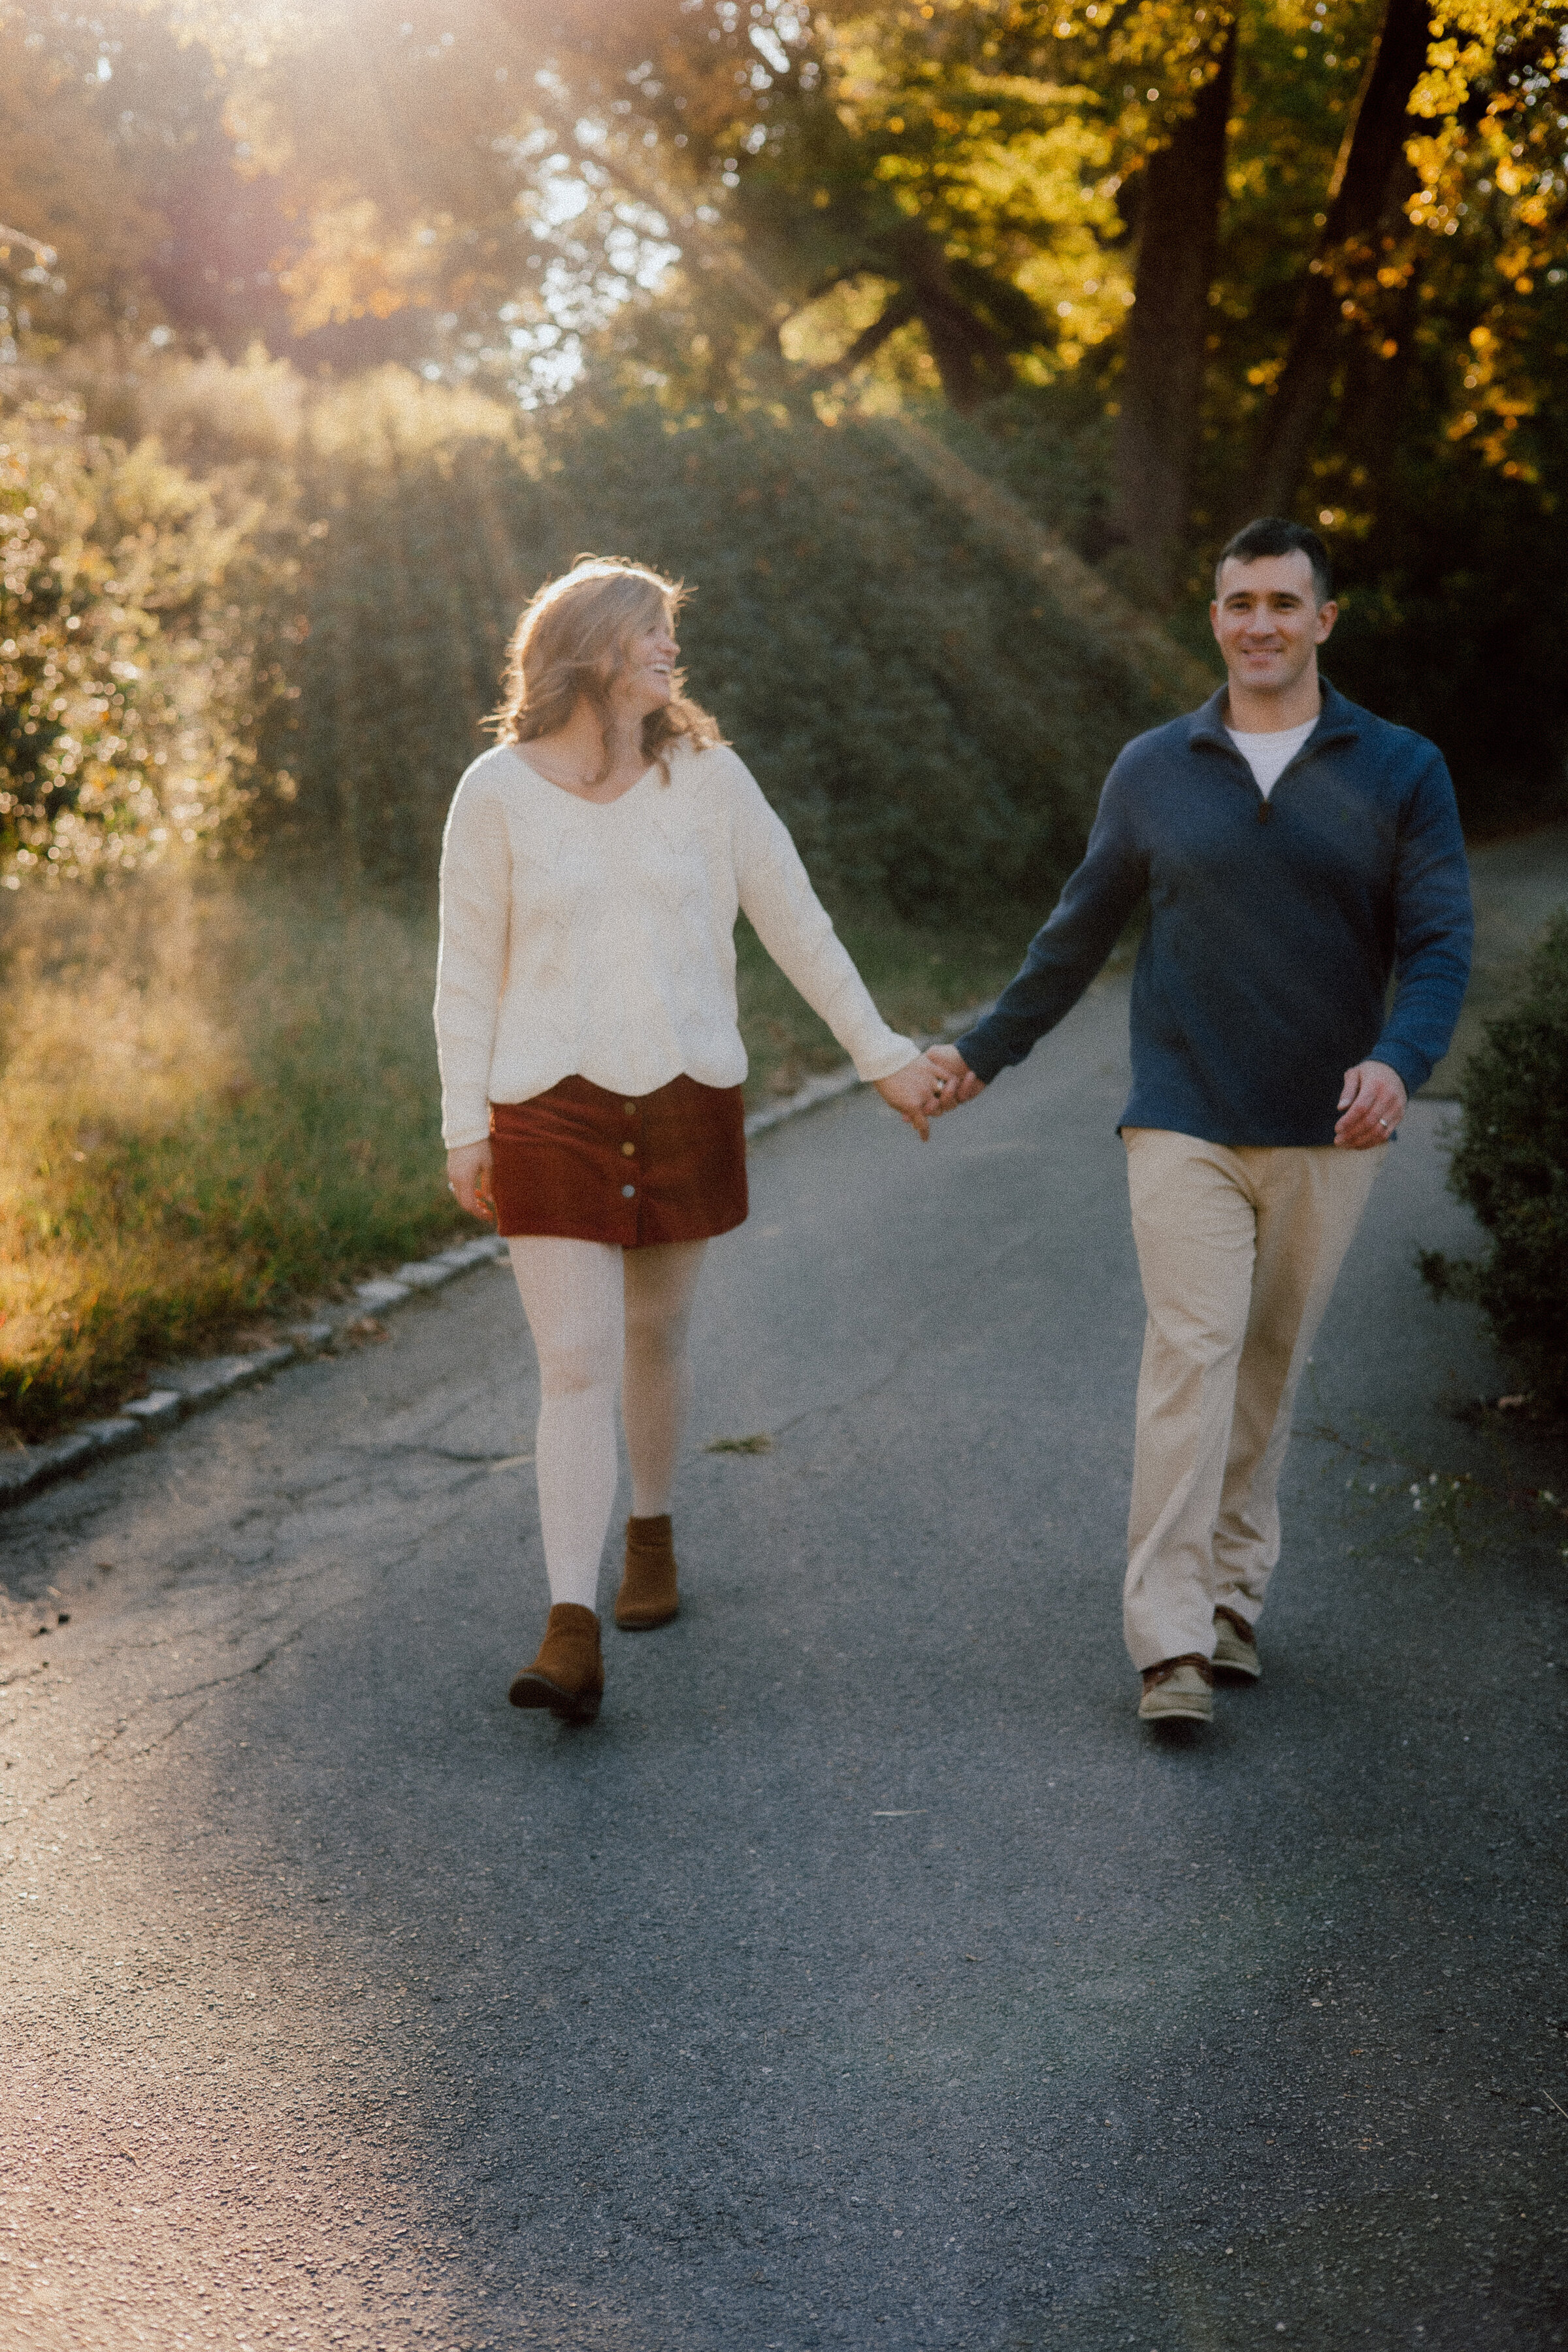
(1511, 1167)
(933, 726)
(127, 682)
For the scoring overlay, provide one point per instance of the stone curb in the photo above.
(178, 1391)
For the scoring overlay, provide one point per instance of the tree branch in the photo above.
(1367, 174)
(898, 313)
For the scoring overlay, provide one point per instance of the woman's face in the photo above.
(647, 677)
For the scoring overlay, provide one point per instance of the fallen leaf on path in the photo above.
(364, 1329)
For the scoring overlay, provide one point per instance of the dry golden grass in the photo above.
(218, 1100)
(110, 1043)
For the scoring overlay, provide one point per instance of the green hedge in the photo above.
(128, 691)
(1511, 1168)
(320, 580)
(934, 727)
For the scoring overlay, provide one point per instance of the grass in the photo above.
(213, 1107)
(220, 1102)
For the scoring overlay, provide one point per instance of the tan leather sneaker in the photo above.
(1235, 1645)
(1178, 1690)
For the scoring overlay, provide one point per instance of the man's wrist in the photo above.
(972, 1052)
(1403, 1067)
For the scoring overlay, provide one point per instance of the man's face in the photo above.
(1268, 620)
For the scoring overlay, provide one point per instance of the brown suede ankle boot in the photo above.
(648, 1596)
(568, 1675)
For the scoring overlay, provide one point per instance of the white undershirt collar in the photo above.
(1270, 755)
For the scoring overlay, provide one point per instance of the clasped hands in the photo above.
(922, 1090)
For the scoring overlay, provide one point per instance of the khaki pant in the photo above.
(1238, 1251)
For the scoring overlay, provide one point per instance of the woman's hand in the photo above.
(919, 1092)
(468, 1180)
(963, 1085)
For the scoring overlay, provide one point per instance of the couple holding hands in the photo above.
(594, 865)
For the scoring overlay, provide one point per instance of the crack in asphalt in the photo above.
(914, 1345)
(451, 1453)
(106, 1747)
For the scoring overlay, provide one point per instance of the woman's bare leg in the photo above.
(656, 1393)
(572, 1295)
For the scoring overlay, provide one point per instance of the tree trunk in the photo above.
(1163, 375)
(970, 358)
(1367, 177)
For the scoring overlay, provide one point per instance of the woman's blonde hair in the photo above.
(572, 642)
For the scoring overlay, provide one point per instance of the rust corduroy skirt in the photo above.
(630, 1170)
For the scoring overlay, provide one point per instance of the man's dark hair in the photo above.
(1272, 535)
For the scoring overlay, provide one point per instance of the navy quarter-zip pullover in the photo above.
(1274, 925)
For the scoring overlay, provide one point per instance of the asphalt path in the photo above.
(867, 1975)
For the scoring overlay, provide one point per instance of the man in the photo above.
(1294, 851)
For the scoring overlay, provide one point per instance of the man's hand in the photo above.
(1370, 1106)
(919, 1092)
(963, 1084)
(468, 1180)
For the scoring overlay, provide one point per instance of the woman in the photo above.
(590, 1063)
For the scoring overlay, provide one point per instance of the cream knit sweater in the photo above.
(598, 939)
